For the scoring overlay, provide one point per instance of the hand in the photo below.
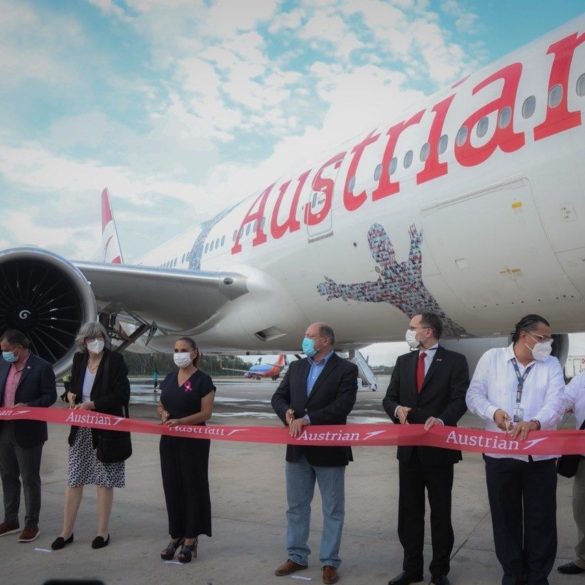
(172, 422)
(289, 416)
(87, 405)
(295, 427)
(71, 399)
(402, 413)
(521, 429)
(432, 421)
(503, 420)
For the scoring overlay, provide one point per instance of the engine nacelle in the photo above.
(48, 299)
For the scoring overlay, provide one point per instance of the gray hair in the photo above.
(91, 329)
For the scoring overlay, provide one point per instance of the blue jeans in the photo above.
(300, 486)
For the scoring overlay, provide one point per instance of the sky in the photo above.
(182, 107)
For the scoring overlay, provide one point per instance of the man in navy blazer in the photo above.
(317, 390)
(25, 380)
(427, 387)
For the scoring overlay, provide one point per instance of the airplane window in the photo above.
(206, 248)
(461, 136)
(263, 222)
(443, 142)
(351, 184)
(222, 241)
(528, 107)
(248, 230)
(393, 165)
(555, 95)
(504, 117)
(314, 202)
(581, 85)
(424, 151)
(217, 243)
(408, 159)
(482, 127)
(377, 172)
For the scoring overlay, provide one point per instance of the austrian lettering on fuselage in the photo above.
(414, 190)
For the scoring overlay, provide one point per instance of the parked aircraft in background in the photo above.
(260, 370)
(471, 205)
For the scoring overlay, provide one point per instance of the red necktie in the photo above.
(420, 371)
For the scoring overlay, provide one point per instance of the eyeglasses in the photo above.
(540, 338)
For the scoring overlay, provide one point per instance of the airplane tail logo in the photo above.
(111, 251)
(281, 361)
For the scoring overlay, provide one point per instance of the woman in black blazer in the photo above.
(99, 381)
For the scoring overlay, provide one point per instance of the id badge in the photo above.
(518, 415)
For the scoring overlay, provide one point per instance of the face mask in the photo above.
(411, 339)
(182, 359)
(541, 350)
(9, 356)
(308, 347)
(95, 346)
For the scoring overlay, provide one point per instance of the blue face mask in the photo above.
(9, 356)
(308, 347)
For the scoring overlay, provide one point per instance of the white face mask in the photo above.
(183, 359)
(411, 339)
(542, 350)
(95, 346)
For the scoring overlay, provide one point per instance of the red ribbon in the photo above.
(355, 435)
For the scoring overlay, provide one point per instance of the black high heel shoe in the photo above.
(168, 554)
(60, 542)
(188, 552)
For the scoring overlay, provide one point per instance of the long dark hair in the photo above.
(527, 323)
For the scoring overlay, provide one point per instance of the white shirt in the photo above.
(494, 386)
(575, 398)
(429, 357)
(88, 381)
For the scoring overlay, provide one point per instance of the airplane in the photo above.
(471, 204)
(259, 371)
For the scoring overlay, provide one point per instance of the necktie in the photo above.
(420, 371)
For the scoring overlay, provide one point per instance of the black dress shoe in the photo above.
(60, 542)
(405, 579)
(100, 542)
(440, 580)
(570, 569)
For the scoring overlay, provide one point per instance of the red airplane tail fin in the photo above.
(111, 251)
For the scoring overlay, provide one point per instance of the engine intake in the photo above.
(48, 299)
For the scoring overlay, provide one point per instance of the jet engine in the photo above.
(47, 298)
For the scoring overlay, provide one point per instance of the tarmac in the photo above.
(248, 506)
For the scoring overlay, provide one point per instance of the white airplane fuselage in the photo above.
(472, 205)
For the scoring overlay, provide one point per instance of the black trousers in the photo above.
(438, 482)
(20, 464)
(522, 496)
(184, 466)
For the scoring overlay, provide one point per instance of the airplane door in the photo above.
(318, 203)
(491, 251)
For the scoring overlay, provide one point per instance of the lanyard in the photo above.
(521, 379)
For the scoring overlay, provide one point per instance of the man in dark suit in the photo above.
(25, 380)
(318, 390)
(427, 387)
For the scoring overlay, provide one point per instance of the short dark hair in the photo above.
(192, 343)
(15, 337)
(432, 321)
(327, 331)
(527, 323)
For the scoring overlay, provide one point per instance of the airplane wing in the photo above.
(235, 370)
(171, 298)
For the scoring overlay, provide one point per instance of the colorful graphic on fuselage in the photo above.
(206, 227)
(400, 283)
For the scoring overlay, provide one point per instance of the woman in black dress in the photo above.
(186, 399)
